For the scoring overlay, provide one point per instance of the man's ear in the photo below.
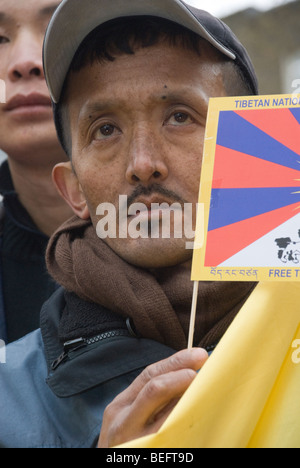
(69, 188)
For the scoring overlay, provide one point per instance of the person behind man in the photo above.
(130, 82)
(31, 207)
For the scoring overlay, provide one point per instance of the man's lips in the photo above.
(151, 205)
(27, 102)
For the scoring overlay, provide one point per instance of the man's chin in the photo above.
(152, 253)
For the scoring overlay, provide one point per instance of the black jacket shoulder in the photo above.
(83, 363)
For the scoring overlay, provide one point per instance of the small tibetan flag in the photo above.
(250, 191)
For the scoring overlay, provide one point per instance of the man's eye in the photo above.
(105, 131)
(180, 118)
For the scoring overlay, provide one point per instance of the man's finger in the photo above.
(186, 359)
(192, 359)
(159, 392)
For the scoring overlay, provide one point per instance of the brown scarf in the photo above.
(159, 305)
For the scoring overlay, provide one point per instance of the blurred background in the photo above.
(270, 31)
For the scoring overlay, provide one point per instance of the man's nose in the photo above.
(25, 61)
(146, 159)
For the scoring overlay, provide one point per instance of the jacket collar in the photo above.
(6, 183)
(80, 365)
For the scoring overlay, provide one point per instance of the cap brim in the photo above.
(75, 19)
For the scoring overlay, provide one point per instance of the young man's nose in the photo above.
(25, 61)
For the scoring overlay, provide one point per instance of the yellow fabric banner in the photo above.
(247, 395)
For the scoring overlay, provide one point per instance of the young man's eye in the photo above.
(3, 40)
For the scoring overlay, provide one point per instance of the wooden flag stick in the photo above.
(193, 315)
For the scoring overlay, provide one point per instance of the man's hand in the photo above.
(145, 405)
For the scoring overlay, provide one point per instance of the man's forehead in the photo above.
(167, 57)
(181, 76)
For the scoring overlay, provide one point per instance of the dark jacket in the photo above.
(24, 281)
(53, 394)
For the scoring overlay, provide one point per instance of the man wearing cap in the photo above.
(130, 83)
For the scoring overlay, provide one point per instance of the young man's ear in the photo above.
(69, 188)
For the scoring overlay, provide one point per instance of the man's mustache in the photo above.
(154, 189)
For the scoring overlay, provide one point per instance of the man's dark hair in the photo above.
(125, 36)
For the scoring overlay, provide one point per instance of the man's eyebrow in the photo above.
(48, 10)
(43, 12)
(5, 18)
(89, 109)
(173, 96)
(94, 107)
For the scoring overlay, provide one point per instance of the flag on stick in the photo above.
(250, 190)
(247, 393)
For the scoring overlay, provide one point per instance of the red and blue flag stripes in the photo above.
(256, 181)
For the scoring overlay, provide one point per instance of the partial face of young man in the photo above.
(137, 129)
(26, 120)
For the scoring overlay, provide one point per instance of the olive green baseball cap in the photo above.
(75, 19)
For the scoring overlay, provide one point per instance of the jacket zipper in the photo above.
(79, 343)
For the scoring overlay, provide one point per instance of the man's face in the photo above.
(137, 129)
(26, 120)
